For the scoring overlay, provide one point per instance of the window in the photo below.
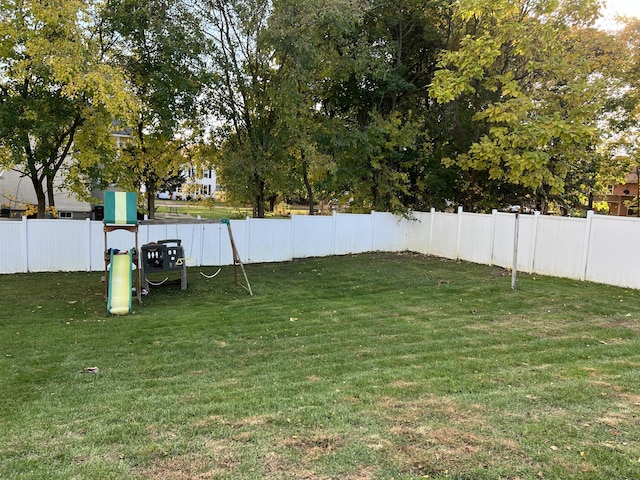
(65, 214)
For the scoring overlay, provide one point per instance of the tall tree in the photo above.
(58, 94)
(535, 100)
(161, 45)
(245, 100)
(304, 38)
(380, 102)
(623, 119)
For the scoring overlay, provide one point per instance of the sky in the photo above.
(630, 8)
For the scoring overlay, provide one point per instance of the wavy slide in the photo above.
(120, 282)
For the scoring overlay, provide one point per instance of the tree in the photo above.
(303, 36)
(379, 105)
(58, 95)
(242, 99)
(622, 144)
(151, 165)
(161, 45)
(533, 93)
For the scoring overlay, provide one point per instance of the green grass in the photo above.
(373, 366)
(215, 211)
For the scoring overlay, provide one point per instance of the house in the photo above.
(197, 184)
(623, 198)
(17, 193)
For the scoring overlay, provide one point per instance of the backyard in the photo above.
(372, 366)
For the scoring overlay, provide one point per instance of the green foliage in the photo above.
(58, 95)
(535, 92)
(160, 44)
(388, 105)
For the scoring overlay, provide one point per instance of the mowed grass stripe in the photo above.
(367, 366)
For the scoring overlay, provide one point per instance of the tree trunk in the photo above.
(40, 195)
(151, 204)
(258, 202)
(307, 184)
(50, 192)
(151, 199)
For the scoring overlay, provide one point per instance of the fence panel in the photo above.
(12, 239)
(269, 240)
(444, 240)
(312, 236)
(527, 231)
(613, 251)
(63, 248)
(474, 244)
(419, 232)
(503, 231)
(352, 233)
(560, 246)
(210, 244)
(389, 232)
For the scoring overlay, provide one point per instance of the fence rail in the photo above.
(597, 248)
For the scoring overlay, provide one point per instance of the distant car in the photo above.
(516, 208)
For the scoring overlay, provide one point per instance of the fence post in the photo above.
(514, 269)
(88, 224)
(333, 232)
(25, 236)
(372, 229)
(459, 233)
(492, 240)
(536, 219)
(587, 245)
(292, 225)
(247, 239)
(431, 221)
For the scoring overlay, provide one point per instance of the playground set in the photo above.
(163, 256)
(124, 269)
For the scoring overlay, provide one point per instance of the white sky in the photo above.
(629, 8)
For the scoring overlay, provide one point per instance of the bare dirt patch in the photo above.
(184, 467)
(436, 435)
(314, 447)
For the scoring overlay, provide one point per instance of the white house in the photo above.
(195, 185)
(16, 193)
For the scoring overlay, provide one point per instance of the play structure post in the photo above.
(236, 258)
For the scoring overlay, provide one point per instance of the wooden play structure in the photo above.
(236, 259)
(120, 267)
(126, 272)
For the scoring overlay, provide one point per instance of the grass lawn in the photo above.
(217, 211)
(374, 366)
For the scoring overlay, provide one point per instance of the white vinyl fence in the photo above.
(597, 248)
